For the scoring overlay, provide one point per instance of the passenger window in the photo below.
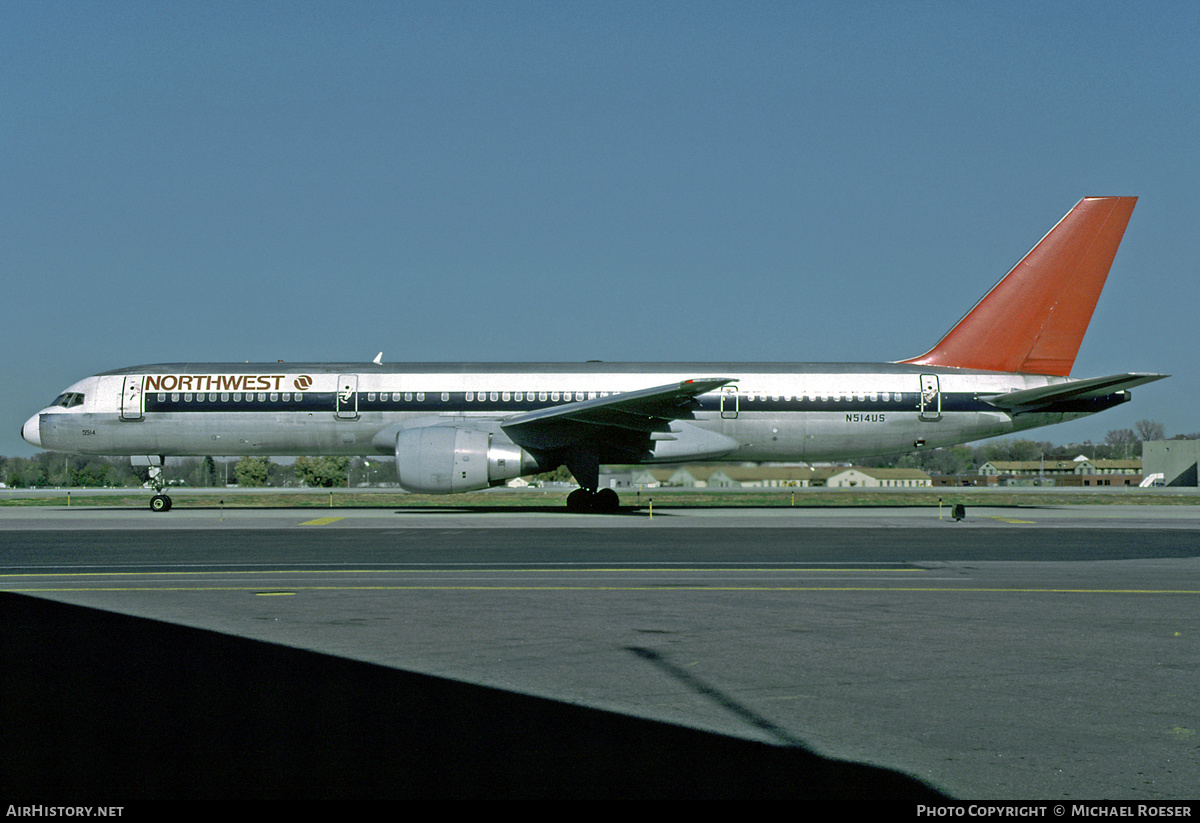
(420, 397)
(445, 396)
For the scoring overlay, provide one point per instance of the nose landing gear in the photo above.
(159, 502)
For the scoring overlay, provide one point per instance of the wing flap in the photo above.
(630, 414)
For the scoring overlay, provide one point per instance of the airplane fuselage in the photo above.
(774, 411)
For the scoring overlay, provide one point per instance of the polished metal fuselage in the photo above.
(774, 411)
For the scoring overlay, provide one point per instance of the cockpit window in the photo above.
(68, 400)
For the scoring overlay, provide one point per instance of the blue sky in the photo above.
(802, 181)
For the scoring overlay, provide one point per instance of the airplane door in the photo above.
(347, 396)
(729, 402)
(931, 398)
(131, 398)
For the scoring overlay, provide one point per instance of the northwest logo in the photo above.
(223, 382)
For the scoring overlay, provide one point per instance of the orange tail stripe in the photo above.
(1034, 319)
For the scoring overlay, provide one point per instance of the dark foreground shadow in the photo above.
(100, 707)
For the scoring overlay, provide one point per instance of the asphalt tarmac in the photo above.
(1034, 653)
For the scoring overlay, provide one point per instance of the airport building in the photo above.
(1078, 467)
(1175, 460)
(777, 477)
(1082, 471)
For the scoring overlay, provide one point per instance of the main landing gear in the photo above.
(604, 501)
(583, 461)
(160, 503)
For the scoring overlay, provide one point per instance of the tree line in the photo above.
(1119, 444)
(55, 470)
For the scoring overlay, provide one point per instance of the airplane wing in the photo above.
(629, 419)
(1059, 396)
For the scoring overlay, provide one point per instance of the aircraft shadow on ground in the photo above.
(95, 705)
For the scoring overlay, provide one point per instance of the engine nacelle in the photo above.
(446, 459)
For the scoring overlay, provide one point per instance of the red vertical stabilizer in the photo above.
(1034, 319)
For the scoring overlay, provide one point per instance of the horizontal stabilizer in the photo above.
(1044, 397)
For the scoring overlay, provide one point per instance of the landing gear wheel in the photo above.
(160, 503)
(606, 502)
(579, 500)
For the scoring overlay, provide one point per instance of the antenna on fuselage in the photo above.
(378, 361)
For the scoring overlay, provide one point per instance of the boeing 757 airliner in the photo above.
(457, 427)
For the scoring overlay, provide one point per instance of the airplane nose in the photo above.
(31, 432)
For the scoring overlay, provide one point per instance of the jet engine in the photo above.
(446, 459)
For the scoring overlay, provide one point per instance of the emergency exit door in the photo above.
(729, 402)
(931, 398)
(131, 398)
(347, 396)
